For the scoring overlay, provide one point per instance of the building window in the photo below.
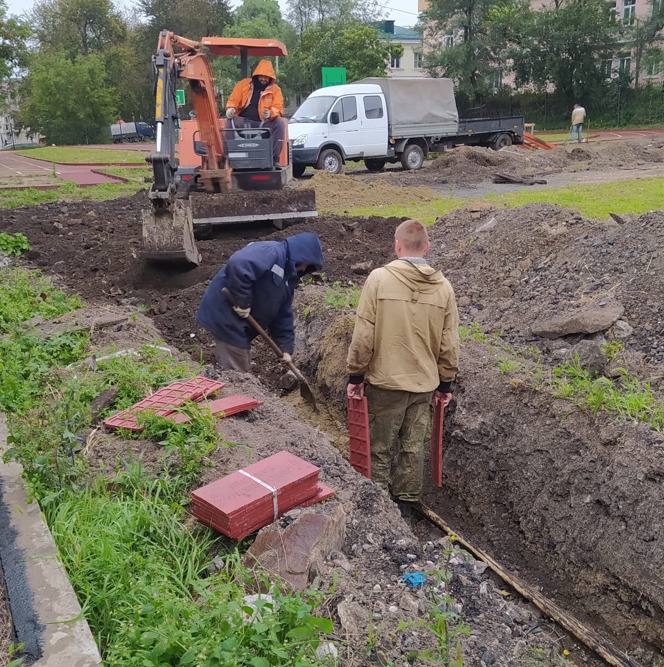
(607, 68)
(652, 68)
(624, 66)
(395, 62)
(419, 60)
(373, 107)
(448, 40)
(629, 12)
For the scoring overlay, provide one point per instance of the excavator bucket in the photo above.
(276, 206)
(168, 234)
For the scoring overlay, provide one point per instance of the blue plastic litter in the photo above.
(415, 579)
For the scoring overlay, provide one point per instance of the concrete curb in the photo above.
(37, 584)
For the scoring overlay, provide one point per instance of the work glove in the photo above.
(231, 112)
(355, 390)
(266, 114)
(286, 357)
(242, 312)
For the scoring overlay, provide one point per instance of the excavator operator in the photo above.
(257, 101)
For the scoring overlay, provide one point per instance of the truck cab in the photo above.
(340, 123)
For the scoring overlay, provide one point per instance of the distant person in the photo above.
(405, 348)
(261, 278)
(578, 119)
(258, 101)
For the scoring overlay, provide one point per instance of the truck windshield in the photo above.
(313, 110)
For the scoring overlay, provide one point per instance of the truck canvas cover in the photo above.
(419, 106)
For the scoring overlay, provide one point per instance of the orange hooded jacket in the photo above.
(271, 97)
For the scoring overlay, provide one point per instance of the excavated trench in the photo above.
(569, 501)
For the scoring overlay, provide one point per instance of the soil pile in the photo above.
(337, 192)
(94, 247)
(510, 267)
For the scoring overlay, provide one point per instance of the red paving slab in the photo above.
(358, 434)
(164, 401)
(248, 499)
(224, 407)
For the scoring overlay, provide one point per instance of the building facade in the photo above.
(10, 136)
(410, 63)
(629, 13)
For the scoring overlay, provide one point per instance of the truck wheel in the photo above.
(330, 160)
(502, 141)
(412, 158)
(374, 164)
(299, 169)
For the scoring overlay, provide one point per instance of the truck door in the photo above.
(347, 131)
(374, 125)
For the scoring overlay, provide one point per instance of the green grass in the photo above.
(594, 200)
(79, 155)
(67, 192)
(157, 588)
(341, 297)
(133, 174)
(426, 212)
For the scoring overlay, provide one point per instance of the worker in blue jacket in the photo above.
(262, 278)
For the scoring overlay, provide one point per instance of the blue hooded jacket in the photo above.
(260, 276)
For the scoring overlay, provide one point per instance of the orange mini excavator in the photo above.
(206, 172)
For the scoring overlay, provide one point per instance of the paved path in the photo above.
(12, 165)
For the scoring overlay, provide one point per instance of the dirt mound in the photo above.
(571, 499)
(510, 267)
(95, 249)
(342, 193)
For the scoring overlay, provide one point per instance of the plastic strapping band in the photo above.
(265, 485)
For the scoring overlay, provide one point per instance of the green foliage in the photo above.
(68, 102)
(508, 366)
(612, 348)
(356, 46)
(563, 46)
(469, 59)
(13, 244)
(13, 35)
(12, 198)
(342, 297)
(472, 332)
(24, 294)
(628, 397)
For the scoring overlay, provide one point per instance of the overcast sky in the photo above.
(404, 12)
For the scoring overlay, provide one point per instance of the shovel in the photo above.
(305, 390)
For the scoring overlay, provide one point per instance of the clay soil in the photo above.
(469, 165)
(570, 501)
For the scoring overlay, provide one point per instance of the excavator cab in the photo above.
(207, 171)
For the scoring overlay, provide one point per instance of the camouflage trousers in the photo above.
(400, 424)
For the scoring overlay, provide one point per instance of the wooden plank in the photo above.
(583, 633)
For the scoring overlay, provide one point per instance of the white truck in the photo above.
(380, 120)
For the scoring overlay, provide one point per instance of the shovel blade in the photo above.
(308, 395)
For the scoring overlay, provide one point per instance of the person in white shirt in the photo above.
(578, 118)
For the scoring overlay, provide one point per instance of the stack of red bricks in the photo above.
(167, 401)
(249, 499)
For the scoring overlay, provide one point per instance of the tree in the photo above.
(77, 27)
(562, 48)
(459, 32)
(644, 35)
(68, 102)
(13, 35)
(189, 18)
(304, 14)
(356, 46)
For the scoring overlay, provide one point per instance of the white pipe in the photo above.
(159, 124)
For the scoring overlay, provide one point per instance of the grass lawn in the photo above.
(593, 201)
(78, 155)
(132, 174)
(68, 192)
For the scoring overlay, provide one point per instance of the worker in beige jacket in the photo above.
(578, 119)
(405, 347)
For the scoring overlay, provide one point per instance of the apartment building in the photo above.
(410, 62)
(629, 13)
(9, 135)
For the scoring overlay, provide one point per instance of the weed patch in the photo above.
(13, 198)
(341, 297)
(13, 244)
